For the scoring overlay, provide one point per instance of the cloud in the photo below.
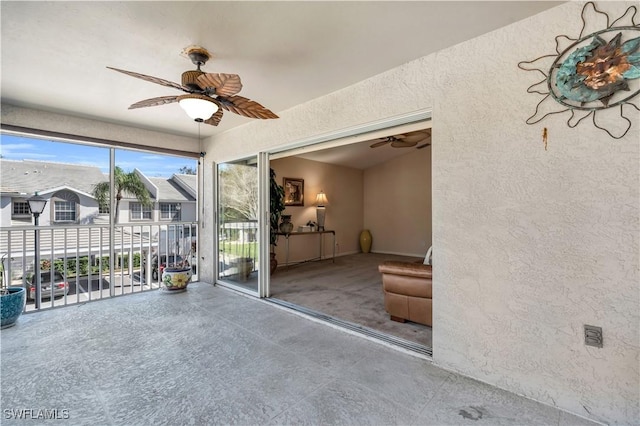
(27, 156)
(11, 146)
(151, 164)
(20, 151)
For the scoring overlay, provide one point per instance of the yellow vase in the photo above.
(365, 241)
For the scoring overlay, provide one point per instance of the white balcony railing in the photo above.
(78, 260)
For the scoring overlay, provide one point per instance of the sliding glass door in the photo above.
(239, 224)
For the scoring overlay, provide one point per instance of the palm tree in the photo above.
(125, 182)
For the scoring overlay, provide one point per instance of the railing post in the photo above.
(36, 255)
(112, 225)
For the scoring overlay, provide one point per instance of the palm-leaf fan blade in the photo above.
(245, 107)
(414, 136)
(220, 84)
(403, 144)
(151, 79)
(214, 120)
(382, 142)
(162, 100)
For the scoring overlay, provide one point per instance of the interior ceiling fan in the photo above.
(207, 93)
(406, 140)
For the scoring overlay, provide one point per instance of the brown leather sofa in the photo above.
(407, 291)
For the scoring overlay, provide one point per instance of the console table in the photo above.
(320, 234)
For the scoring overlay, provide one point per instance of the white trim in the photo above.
(153, 189)
(142, 211)
(264, 226)
(353, 134)
(68, 188)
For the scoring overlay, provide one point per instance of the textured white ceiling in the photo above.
(54, 54)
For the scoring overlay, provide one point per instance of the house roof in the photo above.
(169, 190)
(188, 182)
(29, 176)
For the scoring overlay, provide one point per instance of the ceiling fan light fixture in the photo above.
(198, 107)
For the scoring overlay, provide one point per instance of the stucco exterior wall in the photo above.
(533, 244)
(397, 204)
(529, 244)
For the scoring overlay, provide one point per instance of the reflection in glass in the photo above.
(238, 234)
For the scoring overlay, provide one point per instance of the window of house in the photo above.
(170, 211)
(140, 212)
(64, 211)
(103, 209)
(21, 208)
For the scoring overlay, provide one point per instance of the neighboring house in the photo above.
(174, 200)
(68, 188)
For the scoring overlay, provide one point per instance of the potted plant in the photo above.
(276, 207)
(176, 275)
(12, 299)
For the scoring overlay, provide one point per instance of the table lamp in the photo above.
(321, 202)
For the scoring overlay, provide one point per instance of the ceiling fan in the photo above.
(406, 140)
(207, 93)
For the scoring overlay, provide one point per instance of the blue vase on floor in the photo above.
(11, 305)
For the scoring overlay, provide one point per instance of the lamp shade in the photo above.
(36, 204)
(198, 107)
(321, 199)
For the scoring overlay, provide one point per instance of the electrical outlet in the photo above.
(593, 336)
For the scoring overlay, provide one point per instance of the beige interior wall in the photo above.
(344, 213)
(397, 204)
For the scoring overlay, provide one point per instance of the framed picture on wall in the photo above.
(293, 191)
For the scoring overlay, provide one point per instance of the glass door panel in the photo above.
(238, 232)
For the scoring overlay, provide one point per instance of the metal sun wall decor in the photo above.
(591, 72)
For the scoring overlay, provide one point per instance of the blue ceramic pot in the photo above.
(12, 305)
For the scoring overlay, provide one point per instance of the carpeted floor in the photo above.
(349, 289)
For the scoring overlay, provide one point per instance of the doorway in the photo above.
(385, 188)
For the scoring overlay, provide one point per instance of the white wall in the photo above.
(6, 208)
(529, 244)
(188, 212)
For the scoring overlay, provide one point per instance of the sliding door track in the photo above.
(396, 341)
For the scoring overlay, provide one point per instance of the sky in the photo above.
(151, 164)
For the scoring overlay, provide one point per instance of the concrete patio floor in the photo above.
(212, 356)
